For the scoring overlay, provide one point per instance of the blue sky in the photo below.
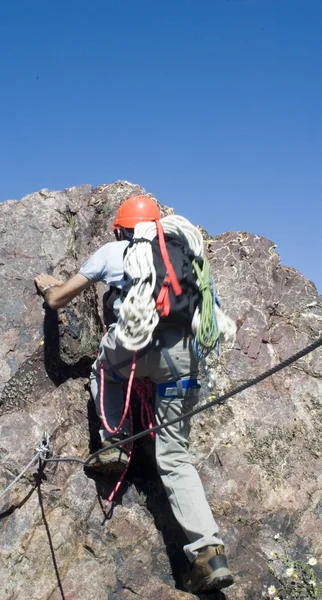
(215, 106)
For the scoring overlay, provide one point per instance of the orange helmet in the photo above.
(136, 210)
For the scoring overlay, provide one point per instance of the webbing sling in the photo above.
(163, 300)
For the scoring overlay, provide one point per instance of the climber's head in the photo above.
(137, 209)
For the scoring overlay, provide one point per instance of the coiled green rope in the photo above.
(208, 333)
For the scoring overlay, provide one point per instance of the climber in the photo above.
(205, 548)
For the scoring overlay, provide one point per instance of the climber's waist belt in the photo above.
(170, 388)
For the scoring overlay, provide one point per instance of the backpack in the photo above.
(167, 278)
(176, 291)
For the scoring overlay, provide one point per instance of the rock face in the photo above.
(258, 455)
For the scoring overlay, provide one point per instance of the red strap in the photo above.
(170, 270)
(163, 299)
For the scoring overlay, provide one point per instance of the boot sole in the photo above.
(111, 466)
(215, 581)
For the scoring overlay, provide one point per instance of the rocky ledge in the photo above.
(258, 455)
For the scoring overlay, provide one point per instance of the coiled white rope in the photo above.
(138, 317)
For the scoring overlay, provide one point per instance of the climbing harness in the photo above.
(42, 451)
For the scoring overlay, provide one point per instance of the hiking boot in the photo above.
(209, 571)
(111, 461)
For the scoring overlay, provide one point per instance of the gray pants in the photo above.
(180, 478)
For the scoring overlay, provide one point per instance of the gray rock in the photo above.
(258, 455)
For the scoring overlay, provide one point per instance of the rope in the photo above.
(138, 317)
(127, 401)
(127, 410)
(219, 400)
(41, 452)
(119, 483)
(142, 389)
(33, 460)
(207, 333)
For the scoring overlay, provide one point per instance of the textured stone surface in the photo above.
(259, 455)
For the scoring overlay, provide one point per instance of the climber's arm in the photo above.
(58, 293)
(106, 265)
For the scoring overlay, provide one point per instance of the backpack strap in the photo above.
(163, 300)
